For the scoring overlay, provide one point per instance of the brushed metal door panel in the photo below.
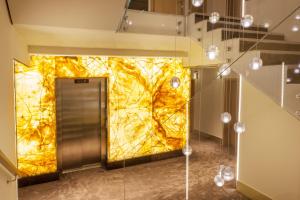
(78, 121)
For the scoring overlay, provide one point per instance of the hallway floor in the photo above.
(161, 180)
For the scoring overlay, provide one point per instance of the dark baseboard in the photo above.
(144, 159)
(32, 180)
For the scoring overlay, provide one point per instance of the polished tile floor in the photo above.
(160, 180)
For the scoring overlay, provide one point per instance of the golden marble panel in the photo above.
(146, 115)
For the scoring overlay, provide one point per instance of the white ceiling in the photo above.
(85, 14)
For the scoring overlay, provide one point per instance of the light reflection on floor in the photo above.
(159, 180)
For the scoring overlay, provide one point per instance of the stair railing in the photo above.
(9, 166)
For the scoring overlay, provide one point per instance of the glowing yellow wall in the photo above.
(146, 115)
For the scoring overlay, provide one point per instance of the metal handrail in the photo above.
(9, 166)
(127, 3)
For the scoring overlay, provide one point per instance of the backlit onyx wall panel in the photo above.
(146, 115)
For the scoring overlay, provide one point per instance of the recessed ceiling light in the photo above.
(266, 25)
(297, 17)
(295, 28)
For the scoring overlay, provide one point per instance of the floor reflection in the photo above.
(159, 180)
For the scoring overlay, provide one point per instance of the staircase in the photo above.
(234, 41)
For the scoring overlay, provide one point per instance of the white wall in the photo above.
(272, 12)
(11, 47)
(270, 147)
(211, 103)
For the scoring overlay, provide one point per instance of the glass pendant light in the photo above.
(228, 174)
(226, 117)
(247, 21)
(288, 80)
(214, 17)
(187, 150)
(212, 52)
(239, 127)
(197, 3)
(175, 82)
(256, 63)
(224, 70)
(297, 71)
(219, 181)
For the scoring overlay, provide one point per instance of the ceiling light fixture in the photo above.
(266, 25)
(175, 82)
(187, 150)
(212, 52)
(297, 17)
(239, 127)
(295, 28)
(256, 63)
(219, 181)
(297, 71)
(247, 21)
(226, 117)
(224, 70)
(288, 80)
(214, 17)
(197, 3)
(227, 173)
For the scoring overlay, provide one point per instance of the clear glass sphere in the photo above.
(228, 174)
(214, 17)
(226, 117)
(247, 21)
(256, 63)
(187, 150)
(175, 82)
(224, 70)
(239, 127)
(197, 3)
(212, 52)
(219, 181)
(297, 71)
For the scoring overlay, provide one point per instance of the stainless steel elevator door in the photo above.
(78, 121)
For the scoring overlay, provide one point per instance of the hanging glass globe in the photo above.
(212, 52)
(297, 71)
(224, 70)
(197, 3)
(247, 21)
(214, 17)
(219, 181)
(175, 82)
(239, 127)
(187, 150)
(228, 174)
(256, 63)
(226, 117)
